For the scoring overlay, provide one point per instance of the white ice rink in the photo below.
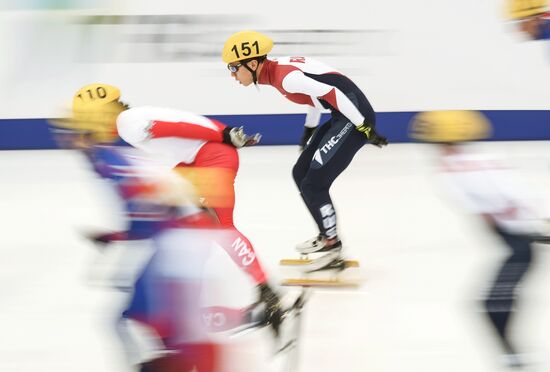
(424, 264)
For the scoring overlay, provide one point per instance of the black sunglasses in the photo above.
(234, 68)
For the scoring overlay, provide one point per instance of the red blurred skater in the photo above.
(204, 151)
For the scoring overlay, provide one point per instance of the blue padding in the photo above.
(277, 129)
(286, 129)
(519, 125)
(27, 134)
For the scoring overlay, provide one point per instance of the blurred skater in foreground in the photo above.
(493, 191)
(159, 207)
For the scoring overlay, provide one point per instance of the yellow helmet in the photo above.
(518, 9)
(244, 45)
(94, 110)
(450, 126)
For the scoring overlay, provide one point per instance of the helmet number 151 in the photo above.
(245, 49)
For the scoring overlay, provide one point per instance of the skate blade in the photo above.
(329, 261)
(246, 329)
(320, 283)
(290, 345)
(290, 327)
(307, 261)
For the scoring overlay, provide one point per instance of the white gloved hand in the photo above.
(238, 138)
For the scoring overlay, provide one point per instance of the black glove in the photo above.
(238, 138)
(542, 239)
(274, 312)
(372, 136)
(308, 132)
(101, 241)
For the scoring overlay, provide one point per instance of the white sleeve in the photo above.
(459, 194)
(132, 126)
(313, 117)
(297, 82)
(495, 192)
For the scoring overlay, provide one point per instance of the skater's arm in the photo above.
(141, 124)
(163, 129)
(297, 82)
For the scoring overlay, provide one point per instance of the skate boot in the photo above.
(318, 244)
(274, 313)
(267, 311)
(331, 249)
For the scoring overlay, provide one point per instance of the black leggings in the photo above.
(330, 151)
(499, 304)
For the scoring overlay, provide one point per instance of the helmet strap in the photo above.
(253, 72)
(254, 75)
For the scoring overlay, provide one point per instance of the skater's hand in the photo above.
(372, 136)
(542, 239)
(99, 240)
(308, 132)
(238, 138)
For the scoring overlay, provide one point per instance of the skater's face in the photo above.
(241, 73)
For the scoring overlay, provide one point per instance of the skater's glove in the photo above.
(308, 132)
(274, 312)
(238, 138)
(542, 239)
(372, 136)
(99, 240)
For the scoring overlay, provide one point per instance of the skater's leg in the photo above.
(331, 157)
(301, 168)
(502, 297)
(213, 175)
(219, 165)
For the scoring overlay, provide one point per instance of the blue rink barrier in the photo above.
(286, 129)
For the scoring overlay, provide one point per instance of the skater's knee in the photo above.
(522, 257)
(495, 305)
(298, 173)
(311, 186)
(305, 187)
(487, 304)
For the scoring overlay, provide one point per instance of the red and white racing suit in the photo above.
(192, 145)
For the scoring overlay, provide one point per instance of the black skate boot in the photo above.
(274, 312)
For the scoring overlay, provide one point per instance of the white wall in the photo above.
(406, 55)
